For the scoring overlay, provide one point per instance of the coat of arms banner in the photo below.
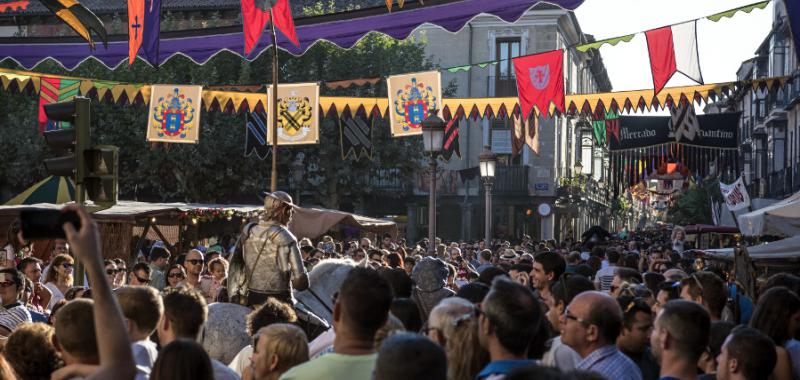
(298, 114)
(174, 114)
(411, 97)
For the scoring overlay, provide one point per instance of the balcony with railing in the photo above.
(510, 180)
(498, 86)
(780, 184)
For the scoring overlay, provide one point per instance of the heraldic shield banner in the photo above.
(298, 114)
(411, 97)
(174, 114)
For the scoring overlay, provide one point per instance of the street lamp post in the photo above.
(298, 172)
(432, 138)
(487, 164)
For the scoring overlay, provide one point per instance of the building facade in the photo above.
(526, 186)
(770, 120)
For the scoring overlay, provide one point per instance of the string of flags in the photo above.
(613, 41)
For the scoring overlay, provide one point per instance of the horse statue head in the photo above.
(325, 279)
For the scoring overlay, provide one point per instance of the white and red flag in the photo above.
(673, 49)
(540, 81)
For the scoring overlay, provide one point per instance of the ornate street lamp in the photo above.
(488, 161)
(298, 172)
(432, 138)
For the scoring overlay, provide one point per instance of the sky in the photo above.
(722, 45)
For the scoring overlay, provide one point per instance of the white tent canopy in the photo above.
(781, 249)
(779, 219)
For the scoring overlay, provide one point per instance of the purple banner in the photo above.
(341, 30)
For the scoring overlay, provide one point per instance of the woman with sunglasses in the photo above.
(59, 278)
(111, 272)
(175, 275)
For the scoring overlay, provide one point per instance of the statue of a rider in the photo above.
(269, 263)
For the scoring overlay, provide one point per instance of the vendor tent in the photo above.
(121, 223)
(777, 250)
(779, 219)
(49, 190)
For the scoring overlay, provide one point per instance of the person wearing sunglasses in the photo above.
(59, 278)
(175, 276)
(122, 273)
(194, 264)
(590, 325)
(14, 312)
(140, 274)
(111, 272)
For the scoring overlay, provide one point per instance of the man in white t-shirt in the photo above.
(13, 312)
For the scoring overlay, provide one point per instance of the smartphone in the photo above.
(46, 224)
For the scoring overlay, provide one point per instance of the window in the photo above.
(505, 83)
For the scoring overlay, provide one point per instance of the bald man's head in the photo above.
(603, 311)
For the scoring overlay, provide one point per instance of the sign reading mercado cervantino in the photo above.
(717, 131)
(411, 97)
(298, 114)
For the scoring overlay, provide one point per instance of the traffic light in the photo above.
(68, 142)
(93, 168)
(100, 178)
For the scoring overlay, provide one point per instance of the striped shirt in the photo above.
(611, 364)
(13, 315)
(605, 277)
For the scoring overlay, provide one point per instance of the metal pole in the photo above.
(79, 273)
(488, 213)
(274, 180)
(432, 209)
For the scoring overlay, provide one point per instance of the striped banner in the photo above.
(54, 90)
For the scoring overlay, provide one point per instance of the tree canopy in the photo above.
(215, 170)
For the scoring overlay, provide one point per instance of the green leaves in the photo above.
(215, 170)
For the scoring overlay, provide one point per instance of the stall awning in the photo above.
(779, 219)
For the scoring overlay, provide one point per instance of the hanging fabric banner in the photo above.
(355, 136)
(540, 81)
(715, 131)
(735, 195)
(793, 13)
(673, 49)
(517, 135)
(54, 90)
(451, 144)
(144, 29)
(174, 114)
(298, 114)
(255, 140)
(532, 133)
(411, 98)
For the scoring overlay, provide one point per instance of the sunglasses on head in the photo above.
(195, 261)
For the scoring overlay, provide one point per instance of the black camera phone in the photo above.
(46, 224)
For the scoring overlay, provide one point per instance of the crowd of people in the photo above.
(632, 307)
